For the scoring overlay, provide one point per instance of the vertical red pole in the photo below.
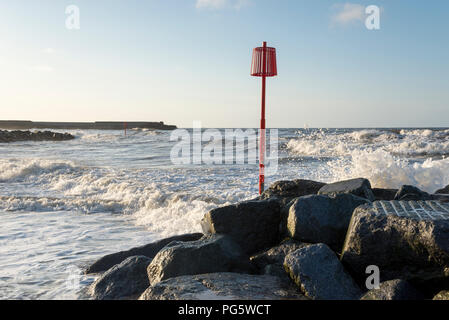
(262, 123)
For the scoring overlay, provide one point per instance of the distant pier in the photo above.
(97, 125)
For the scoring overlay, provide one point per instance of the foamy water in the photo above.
(64, 204)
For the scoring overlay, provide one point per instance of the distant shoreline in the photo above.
(97, 125)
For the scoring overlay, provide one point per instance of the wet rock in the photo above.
(405, 239)
(445, 190)
(442, 295)
(358, 187)
(254, 225)
(394, 290)
(222, 286)
(217, 253)
(384, 194)
(271, 262)
(408, 193)
(292, 189)
(123, 281)
(276, 255)
(320, 275)
(149, 250)
(322, 219)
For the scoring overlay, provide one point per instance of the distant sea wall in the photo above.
(98, 125)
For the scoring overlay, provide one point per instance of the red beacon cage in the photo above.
(263, 65)
(264, 62)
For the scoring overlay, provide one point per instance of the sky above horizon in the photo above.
(181, 61)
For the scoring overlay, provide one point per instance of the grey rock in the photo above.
(394, 290)
(222, 286)
(320, 275)
(217, 253)
(444, 190)
(254, 225)
(384, 194)
(292, 189)
(123, 281)
(442, 295)
(407, 240)
(149, 250)
(407, 193)
(358, 187)
(322, 219)
(276, 255)
(271, 262)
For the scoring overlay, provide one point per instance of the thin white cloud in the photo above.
(348, 13)
(221, 4)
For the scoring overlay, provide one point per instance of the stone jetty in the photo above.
(300, 240)
(98, 125)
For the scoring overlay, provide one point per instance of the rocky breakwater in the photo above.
(18, 135)
(299, 240)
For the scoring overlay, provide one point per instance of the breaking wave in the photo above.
(152, 200)
(388, 158)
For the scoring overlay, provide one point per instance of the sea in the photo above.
(65, 204)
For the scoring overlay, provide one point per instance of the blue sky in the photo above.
(181, 61)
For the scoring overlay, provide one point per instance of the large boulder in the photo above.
(445, 190)
(442, 295)
(408, 193)
(322, 219)
(217, 253)
(271, 262)
(254, 225)
(149, 250)
(123, 281)
(405, 239)
(222, 286)
(292, 189)
(359, 187)
(393, 290)
(320, 275)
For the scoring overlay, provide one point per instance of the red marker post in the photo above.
(263, 65)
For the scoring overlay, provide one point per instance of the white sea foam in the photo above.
(386, 157)
(387, 171)
(406, 142)
(13, 169)
(162, 207)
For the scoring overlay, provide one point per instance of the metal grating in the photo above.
(419, 210)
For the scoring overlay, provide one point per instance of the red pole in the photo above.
(262, 125)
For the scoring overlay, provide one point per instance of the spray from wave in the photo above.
(388, 158)
(152, 199)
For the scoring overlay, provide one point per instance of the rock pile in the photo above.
(17, 135)
(300, 240)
